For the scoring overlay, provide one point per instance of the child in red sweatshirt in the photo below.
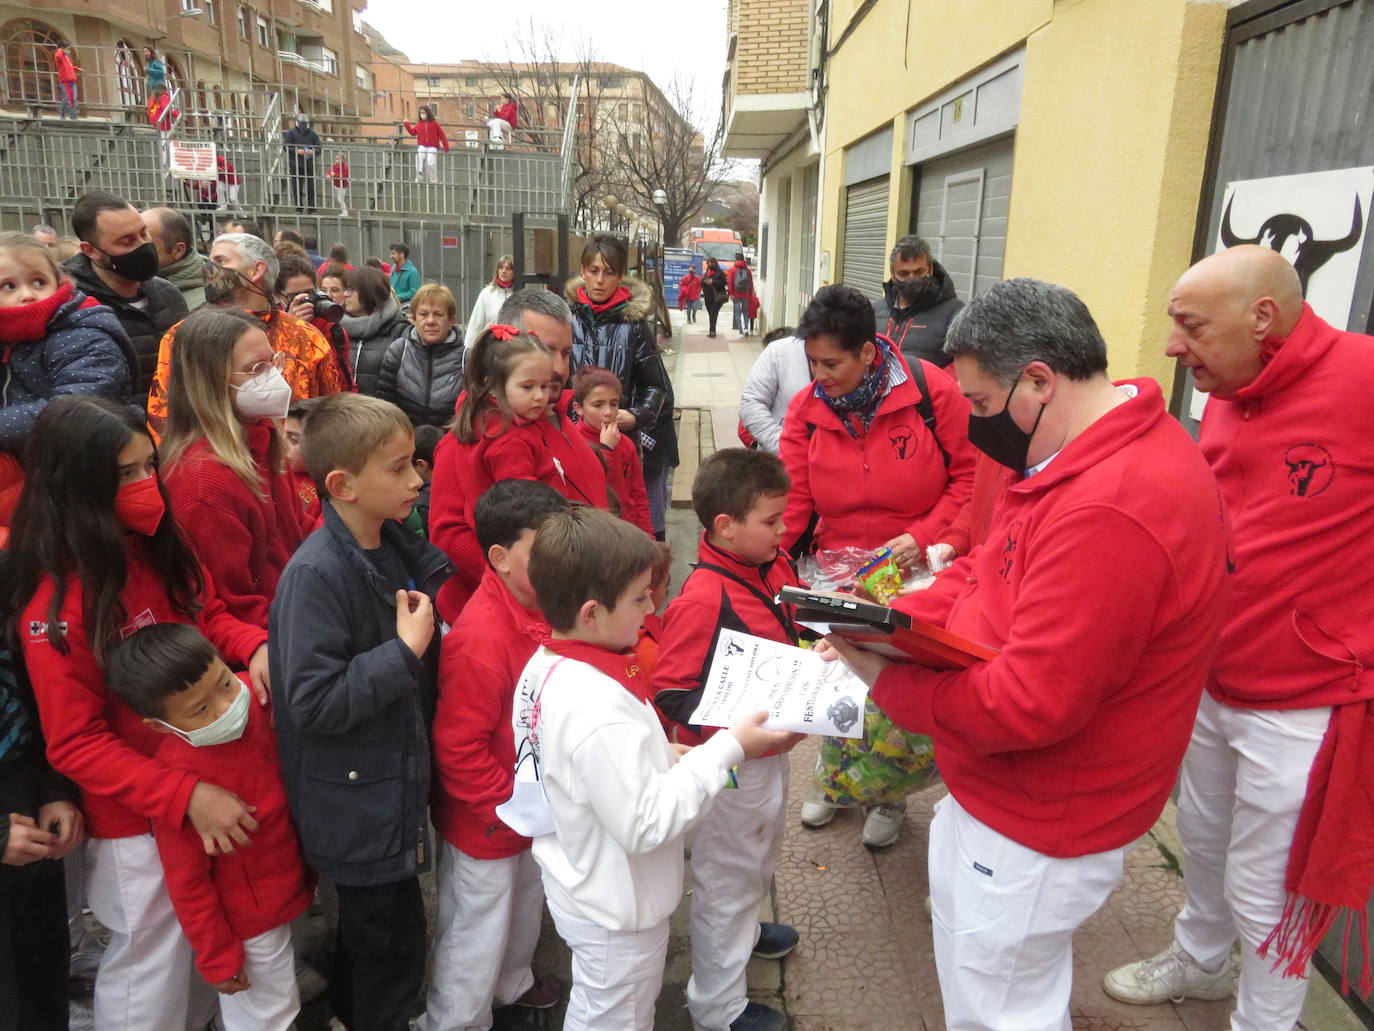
(338, 178)
(739, 496)
(491, 901)
(235, 908)
(596, 400)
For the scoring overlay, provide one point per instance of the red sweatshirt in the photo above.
(93, 738)
(739, 598)
(507, 112)
(244, 541)
(66, 70)
(888, 481)
(624, 475)
(579, 476)
(338, 174)
(1103, 582)
(222, 901)
(1294, 455)
(474, 750)
(428, 133)
(971, 525)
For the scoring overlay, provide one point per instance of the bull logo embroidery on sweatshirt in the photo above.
(1310, 469)
(1009, 551)
(901, 438)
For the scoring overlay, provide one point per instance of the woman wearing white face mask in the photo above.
(224, 457)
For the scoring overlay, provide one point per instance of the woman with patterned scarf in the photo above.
(878, 455)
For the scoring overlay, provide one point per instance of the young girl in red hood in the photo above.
(54, 342)
(596, 400)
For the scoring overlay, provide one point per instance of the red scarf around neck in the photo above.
(619, 296)
(25, 323)
(622, 667)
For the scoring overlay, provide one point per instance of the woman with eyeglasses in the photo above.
(224, 458)
(373, 321)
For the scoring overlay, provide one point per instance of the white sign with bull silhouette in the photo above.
(1317, 220)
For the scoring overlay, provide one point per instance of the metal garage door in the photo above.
(960, 208)
(865, 236)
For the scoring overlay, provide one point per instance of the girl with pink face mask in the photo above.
(93, 556)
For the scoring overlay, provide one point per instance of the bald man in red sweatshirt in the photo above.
(1101, 584)
(1273, 812)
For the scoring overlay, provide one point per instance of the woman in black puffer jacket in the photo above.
(610, 330)
(422, 371)
(373, 321)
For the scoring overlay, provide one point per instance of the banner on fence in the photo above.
(191, 160)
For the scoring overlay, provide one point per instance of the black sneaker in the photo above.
(758, 1017)
(775, 940)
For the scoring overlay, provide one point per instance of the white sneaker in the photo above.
(884, 823)
(1173, 975)
(816, 813)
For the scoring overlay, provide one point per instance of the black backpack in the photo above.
(740, 282)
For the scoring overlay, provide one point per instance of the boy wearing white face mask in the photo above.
(235, 908)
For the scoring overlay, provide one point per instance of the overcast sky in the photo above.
(661, 38)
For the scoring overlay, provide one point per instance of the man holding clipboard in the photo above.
(1100, 587)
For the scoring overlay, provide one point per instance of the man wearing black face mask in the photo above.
(1102, 583)
(918, 302)
(118, 266)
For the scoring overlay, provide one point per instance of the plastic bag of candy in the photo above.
(886, 765)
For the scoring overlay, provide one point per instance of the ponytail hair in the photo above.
(490, 364)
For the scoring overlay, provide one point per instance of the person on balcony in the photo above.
(302, 144)
(429, 137)
(66, 82)
(338, 178)
(227, 181)
(157, 73)
(503, 119)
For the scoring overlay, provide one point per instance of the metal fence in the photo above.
(49, 164)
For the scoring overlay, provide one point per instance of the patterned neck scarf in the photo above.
(863, 401)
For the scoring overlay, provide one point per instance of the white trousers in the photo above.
(341, 195)
(734, 852)
(146, 977)
(273, 1001)
(227, 193)
(498, 127)
(1244, 781)
(484, 937)
(616, 975)
(426, 164)
(1003, 917)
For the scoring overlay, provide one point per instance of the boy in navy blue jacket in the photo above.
(353, 653)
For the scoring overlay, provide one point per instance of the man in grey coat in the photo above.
(178, 261)
(918, 303)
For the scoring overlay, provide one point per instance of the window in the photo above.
(286, 41)
(358, 22)
(29, 70)
(432, 81)
(211, 15)
(264, 33)
(126, 74)
(243, 23)
(471, 81)
(189, 7)
(472, 109)
(623, 112)
(363, 76)
(327, 6)
(329, 59)
(612, 81)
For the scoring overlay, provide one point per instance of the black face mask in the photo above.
(998, 436)
(139, 265)
(918, 291)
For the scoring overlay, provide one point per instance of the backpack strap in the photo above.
(772, 604)
(924, 408)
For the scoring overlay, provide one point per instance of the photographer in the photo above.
(298, 293)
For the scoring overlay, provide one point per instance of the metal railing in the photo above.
(569, 146)
(51, 163)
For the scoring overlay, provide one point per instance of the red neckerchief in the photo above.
(25, 323)
(620, 296)
(622, 667)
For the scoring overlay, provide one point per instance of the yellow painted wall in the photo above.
(1115, 115)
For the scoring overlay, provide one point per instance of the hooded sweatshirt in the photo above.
(919, 329)
(1293, 453)
(1103, 583)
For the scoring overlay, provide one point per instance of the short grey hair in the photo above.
(252, 249)
(909, 248)
(534, 299)
(42, 227)
(1022, 321)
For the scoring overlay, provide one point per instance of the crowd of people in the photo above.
(299, 577)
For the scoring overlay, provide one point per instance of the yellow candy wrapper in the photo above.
(881, 577)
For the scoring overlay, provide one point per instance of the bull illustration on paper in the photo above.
(1293, 237)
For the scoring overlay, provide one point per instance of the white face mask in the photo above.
(266, 396)
(228, 727)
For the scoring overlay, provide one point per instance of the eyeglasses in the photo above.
(278, 361)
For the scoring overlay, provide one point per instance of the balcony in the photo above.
(765, 100)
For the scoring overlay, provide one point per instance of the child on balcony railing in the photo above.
(338, 175)
(429, 137)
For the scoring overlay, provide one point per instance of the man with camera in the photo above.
(242, 273)
(299, 293)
